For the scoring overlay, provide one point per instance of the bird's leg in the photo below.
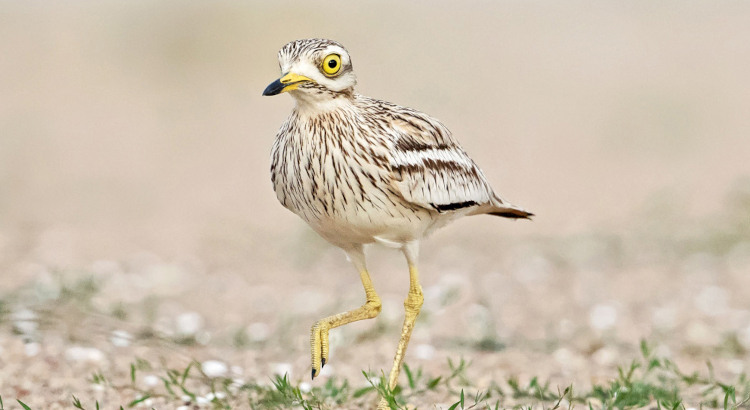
(412, 306)
(371, 308)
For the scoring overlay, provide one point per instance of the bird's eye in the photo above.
(331, 64)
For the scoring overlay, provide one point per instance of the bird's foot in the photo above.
(319, 346)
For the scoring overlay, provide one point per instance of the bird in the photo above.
(361, 171)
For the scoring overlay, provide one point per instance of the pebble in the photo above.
(120, 338)
(605, 356)
(84, 354)
(327, 371)
(214, 368)
(258, 332)
(305, 387)
(25, 321)
(603, 317)
(151, 380)
(189, 323)
(31, 349)
(280, 369)
(424, 351)
(736, 366)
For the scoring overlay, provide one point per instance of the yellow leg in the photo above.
(319, 333)
(412, 306)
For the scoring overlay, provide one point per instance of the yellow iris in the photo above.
(331, 64)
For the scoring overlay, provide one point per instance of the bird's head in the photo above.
(314, 69)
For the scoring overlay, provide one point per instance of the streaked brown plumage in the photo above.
(361, 170)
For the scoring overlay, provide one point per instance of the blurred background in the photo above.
(134, 176)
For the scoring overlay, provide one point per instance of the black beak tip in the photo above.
(274, 88)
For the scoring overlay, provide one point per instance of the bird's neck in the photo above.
(319, 103)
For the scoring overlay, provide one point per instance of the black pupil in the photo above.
(332, 63)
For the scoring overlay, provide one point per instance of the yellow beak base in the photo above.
(288, 82)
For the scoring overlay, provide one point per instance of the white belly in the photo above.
(371, 225)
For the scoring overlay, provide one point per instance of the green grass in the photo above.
(646, 382)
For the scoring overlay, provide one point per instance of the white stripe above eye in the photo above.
(401, 158)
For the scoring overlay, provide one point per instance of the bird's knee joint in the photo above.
(414, 301)
(374, 307)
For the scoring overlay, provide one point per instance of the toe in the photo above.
(323, 347)
(315, 349)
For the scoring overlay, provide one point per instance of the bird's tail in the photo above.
(499, 207)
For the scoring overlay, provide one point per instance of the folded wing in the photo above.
(431, 170)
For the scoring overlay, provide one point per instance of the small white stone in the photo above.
(210, 397)
(183, 408)
(258, 332)
(189, 323)
(603, 317)
(185, 398)
(281, 369)
(220, 395)
(147, 403)
(25, 321)
(237, 370)
(424, 351)
(214, 368)
(201, 401)
(327, 371)
(151, 380)
(605, 356)
(31, 349)
(120, 338)
(305, 387)
(736, 366)
(84, 354)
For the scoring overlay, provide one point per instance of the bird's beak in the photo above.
(286, 83)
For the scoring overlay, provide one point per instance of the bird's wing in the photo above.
(430, 169)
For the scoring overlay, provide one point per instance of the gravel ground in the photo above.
(567, 310)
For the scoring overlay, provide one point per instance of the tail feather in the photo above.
(512, 213)
(499, 207)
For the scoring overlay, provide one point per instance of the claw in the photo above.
(313, 374)
(322, 362)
